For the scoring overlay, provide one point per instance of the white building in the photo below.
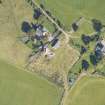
(103, 49)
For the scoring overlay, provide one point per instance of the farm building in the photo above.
(48, 53)
(55, 43)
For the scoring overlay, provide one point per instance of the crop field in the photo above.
(88, 91)
(70, 10)
(17, 87)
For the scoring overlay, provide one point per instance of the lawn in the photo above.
(88, 91)
(18, 87)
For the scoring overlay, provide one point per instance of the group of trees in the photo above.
(27, 27)
(96, 55)
(87, 39)
(37, 13)
(97, 25)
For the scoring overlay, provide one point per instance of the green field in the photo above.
(88, 91)
(18, 87)
(70, 10)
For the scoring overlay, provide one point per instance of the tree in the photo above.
(75, 26)
(97, 25)
(42, 6)
(85, 64)
(93, 59)
(86, 39)
(34, 26)
(48, 13)
(37, 13)
(26, 27)
(83, 50)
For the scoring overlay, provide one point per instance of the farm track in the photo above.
(68, 36)
(60, 29)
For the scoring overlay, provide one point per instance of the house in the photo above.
(100, 46)
(41, 32)
(103, 49)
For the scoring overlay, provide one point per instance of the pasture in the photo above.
(68, 11)
(88, 91)
(17, 87)
(11, 16)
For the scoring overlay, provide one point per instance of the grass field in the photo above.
(70, 10)
(18, 87)
(88, 91)
(11, 16)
